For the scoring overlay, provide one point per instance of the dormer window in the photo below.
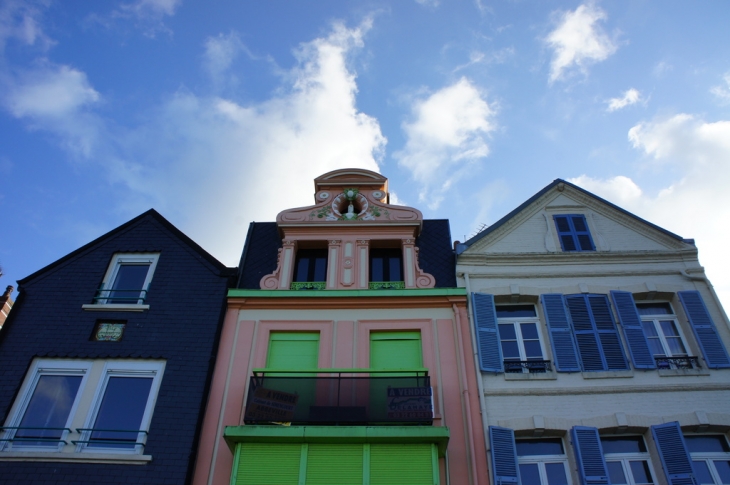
(386, 266)
(573, 232)
(126, 282)
(310, 269)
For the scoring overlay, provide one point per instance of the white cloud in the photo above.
(220, 52)
(212, 165)
(150, 8)
(20, 20)
(697, 204)
(723, 92)
(631, 96)
(449, 131)
(147, 15)
(578, 41)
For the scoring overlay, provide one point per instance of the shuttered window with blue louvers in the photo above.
(573, 233)
(641, 355)
(672, 449)
(561, 333)
(704, 329)
(589, 456)
(595, 332)
(504, 456)
(485, 321)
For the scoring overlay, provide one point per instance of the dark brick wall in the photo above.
(186, 298)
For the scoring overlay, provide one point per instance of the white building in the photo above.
(602, 347)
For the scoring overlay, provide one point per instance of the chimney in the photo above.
(6, 303)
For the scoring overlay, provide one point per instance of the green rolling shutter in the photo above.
(403, 464)
(395, 350)
(334, 464)
(267, 464)
(293, 350)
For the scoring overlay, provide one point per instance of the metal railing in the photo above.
(340, 397)
(116, 438)
(118, 297)
(677, 362)
(32, 435)
(530, 366)
(308, 285)
(387, 285)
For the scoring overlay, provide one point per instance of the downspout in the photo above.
(465, 394)
(477, 366)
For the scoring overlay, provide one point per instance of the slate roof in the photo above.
(463, 246)
(260, 252)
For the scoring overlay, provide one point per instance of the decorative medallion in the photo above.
(109, 331)
(323, 195)
(379, 195)
(348, 263)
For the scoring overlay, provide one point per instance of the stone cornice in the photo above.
(613, 389)
(577, 258)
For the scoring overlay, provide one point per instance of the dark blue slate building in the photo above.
(107, 357)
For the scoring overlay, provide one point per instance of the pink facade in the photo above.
(344, 320)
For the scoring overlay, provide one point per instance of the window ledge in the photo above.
(683, 372)
(530, 376)
(111, 307)
(112, 458)
(610, 374)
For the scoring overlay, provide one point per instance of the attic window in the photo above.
(126, 282)
(310, 270)
(573, 233)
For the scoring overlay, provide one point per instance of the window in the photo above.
(386, 264)
(84, 406)
(627, 460)
(663, 335)
(542, 461)
(573, 233)
(310, 267)
(127, 280)
(519, 338)
(710, 458)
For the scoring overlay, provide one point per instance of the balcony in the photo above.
(677, 362)
(120, 297)
(344, 397)
(527, 366)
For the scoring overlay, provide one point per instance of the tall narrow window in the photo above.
(386, 264)
(710, 458)
(127, 279)
(520, 338)
(627, 460)
(662, 332)
(542, 461)
(310, 267)
(573, 233)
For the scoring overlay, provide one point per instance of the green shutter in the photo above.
(267, 464)
(395, 350)
(293, 350)
(403, 464)
(334, 464)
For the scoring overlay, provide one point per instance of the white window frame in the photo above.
(709, 458)
(17, 412)
(124, 369)
(542, 460)
(626, 458)
(515, 322)
(96, 374)
(117, 261)
(655, 319)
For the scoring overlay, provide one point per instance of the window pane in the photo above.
(654, 308)
(555, 474)
(702, 473)
(623, 444)
(707, 444)
(513, 311)
(320, 269)
(723, 470)
(510, 350)
(122, 408)
(668, 328)
(539, 447)
(568, 242)
(376, 269)
(533, 350)
(529, 474)
(641, 473)
(394, 267)
(311, 265)
(649, 329)
(529, 331)
(676, 347)
(562, 223)
(49, 407)
(579, 223)
(585, 242)
(616, 472)
(129, 283)
(507, 332)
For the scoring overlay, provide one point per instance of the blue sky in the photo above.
(220, 113)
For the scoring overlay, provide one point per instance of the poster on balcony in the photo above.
(410, 403)
(271, 405)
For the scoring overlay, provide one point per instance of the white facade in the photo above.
(675, 367)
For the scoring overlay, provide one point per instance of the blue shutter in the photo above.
(611, 346)
(504, 455)
(573, 233)
(589, 456)
(585, 333)
(628, 315)
(676, 461)
(561, 335)
(704, 330)
(485, 321)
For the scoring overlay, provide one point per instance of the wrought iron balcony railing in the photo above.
(387, 285)
(340, 397)
(531, 366)
(677, 362)
(308, 285)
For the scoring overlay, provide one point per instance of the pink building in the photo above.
(346, 354)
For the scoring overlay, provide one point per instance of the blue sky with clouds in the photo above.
(220, 113)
